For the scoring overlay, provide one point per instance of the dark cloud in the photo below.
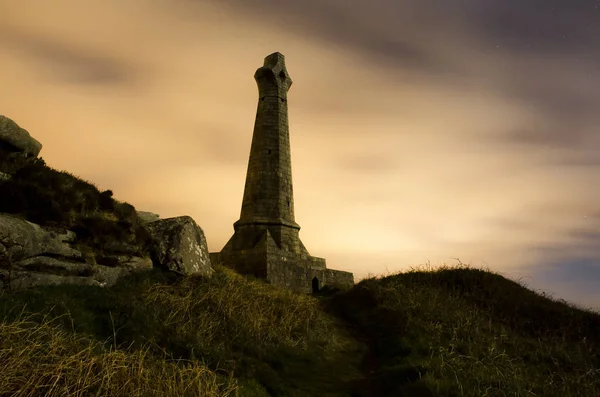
(558, 98)
(400, 34)
(581, 249)
(536, 136)
(570, 102)
(68, 63)
(566, 33)
(569, 26)
(561, 134)
(353, 25)
(585, 273)
(394, 30)
(570, 137)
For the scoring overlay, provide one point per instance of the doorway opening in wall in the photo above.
(316, 285)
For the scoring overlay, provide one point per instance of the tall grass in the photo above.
(469, 332)
(38, 358)
(271, 341)
(445, 332)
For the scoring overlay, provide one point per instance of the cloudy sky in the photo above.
(421, 131)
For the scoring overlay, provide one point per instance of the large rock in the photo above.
(20, 240)
(43, 270)
(20, 279)
(17, 137)
(124, 265)
(180, 245)
(59, 267)
(31, 255)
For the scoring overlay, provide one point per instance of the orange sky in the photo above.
(415, 136)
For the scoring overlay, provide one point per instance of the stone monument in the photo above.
(265, 243)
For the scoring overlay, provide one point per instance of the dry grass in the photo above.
(225, 335)
(252, 313)
(443, 332)
(469, 332)
(41, 359)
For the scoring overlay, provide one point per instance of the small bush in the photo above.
(46, 196)
(97, 231)
(33, 202)
(126, 212)
(105, 201)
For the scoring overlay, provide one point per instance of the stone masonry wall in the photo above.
(248, 261)
(299, 277)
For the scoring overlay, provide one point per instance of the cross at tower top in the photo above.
(272, 78)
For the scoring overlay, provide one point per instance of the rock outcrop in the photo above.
(31, 255)
(14, 137)
(180, 246)
(124, 265)
(22, 240)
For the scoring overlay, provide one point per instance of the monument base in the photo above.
(297, 271)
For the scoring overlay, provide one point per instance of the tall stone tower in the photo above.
(265, 242)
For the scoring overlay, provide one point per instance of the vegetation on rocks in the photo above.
(59, 199)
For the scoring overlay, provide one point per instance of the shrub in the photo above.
(105, 201)
(33, 202)
(97, 230)
(125, 212)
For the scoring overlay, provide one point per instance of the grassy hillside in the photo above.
(470, 332)
(445, 332)
(448, 332)
(161, 334)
